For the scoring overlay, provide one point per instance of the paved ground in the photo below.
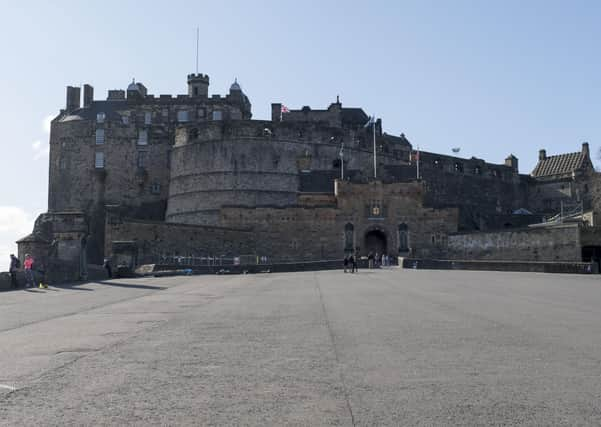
(376, 348)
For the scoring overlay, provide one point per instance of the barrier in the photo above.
(525, 266)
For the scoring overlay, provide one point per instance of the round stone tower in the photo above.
(217, 165)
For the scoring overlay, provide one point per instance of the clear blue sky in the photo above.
(493, 78)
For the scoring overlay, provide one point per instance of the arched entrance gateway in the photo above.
(376, 242)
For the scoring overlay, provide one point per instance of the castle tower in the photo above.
(198, 85)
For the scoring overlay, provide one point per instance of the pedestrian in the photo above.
(29, 273)
(41, 274)
(107, 267)
(370, 260)
(345, 263)
(353, 263)
(15, 264)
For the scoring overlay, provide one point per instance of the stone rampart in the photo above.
(550, 243)
(490, 265)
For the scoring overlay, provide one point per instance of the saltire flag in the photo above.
(284, 109)
(370, 122)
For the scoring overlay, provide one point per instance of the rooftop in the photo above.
(559, 165)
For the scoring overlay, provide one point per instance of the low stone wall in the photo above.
(335, 264)
(526, 266)
(560, 243)
(5, 284)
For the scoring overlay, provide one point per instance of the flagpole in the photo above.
(375, 161)
(342, 161)
(417, 161)
(197, 40)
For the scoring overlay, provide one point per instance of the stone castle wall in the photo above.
(253, 163)
(155, 239)
(552, 243)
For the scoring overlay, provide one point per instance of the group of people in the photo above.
(28, 268)
(379, 260)
(350, 263)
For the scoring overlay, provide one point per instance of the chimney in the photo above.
(585, 149)
(542, 154)
(73, 98)
(276, 112)
(88, 95)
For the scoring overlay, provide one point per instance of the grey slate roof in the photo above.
(353, 115)
(560, 164)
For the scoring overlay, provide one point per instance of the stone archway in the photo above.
(376, 242)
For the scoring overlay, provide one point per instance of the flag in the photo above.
(284, 109)
(342, 151)
(370, 122)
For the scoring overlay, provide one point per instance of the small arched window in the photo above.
(403, 238)
(349, 237)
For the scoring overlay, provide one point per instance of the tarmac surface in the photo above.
(386, 347)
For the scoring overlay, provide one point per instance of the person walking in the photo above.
(29, 274)
(353, 263)
(345, 263)
(107, 267)
(15, 264)
(370, 260)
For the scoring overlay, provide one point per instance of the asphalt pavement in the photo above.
(381, 347)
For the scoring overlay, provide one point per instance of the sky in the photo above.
(491, 77)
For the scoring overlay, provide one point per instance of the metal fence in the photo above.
(212, 260)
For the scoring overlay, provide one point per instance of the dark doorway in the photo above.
(375, 241)
(592, 254)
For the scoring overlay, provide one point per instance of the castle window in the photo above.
(477, 170)
(155, 188)
(182, 116)
(437, 163)
(99, 160)
(99, 136)
(147, 118)
(403, 238)
(100, 117)
(217, 115)
(195, 90)
(143, 137)
(125, 120)
(141, 159)
(349, 237)
(458, 167)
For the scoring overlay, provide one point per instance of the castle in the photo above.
(194, 175)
